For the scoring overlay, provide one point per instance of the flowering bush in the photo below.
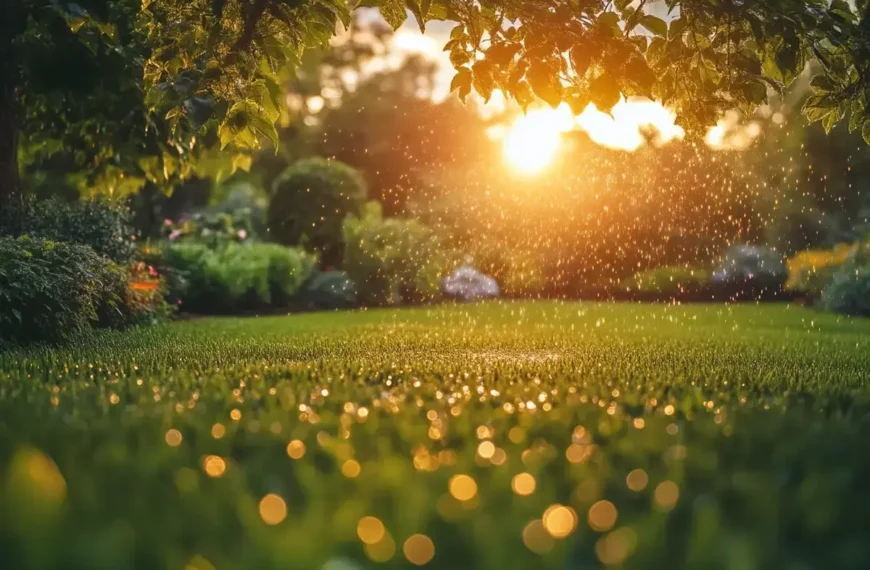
(810, 271)
(212, 228)
(140, 293)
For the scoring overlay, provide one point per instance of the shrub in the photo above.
(309, 203)
(809, 272)
(751, 271)
(100, 224)
(52, 291)
(243, 198)
(235, 276)
(212, 228)
(139, 295)
(849, 290)
(329, 290)
(392, 260)
(518, 272)
(670, 280)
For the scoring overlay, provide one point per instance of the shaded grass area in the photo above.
(503, 435)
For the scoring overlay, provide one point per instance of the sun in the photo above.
(533, 140)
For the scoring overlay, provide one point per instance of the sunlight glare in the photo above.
(533, 140)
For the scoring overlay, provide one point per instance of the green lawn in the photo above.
(696, 437)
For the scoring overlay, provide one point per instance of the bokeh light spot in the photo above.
(419, 549)
(602, 516)
(462, 487)
(273, 509)
(523, 484)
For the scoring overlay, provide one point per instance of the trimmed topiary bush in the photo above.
(53, 291)
(100, 224)
(309, 203)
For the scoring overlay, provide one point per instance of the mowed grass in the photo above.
(494, 436)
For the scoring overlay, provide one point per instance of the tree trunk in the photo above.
(13, 24)
(11, 195)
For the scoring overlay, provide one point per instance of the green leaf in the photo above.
(610, 21)
(656, 49)
(458, 56)
(821, 84)
(865, 132)
(677, 28)
(581, 57)
(462, 82)
(621, 5)
(482, 80)
(605, 93)
(654, 25)
(544, 80)
(394, 13)
(523, 94)
(829, 121)
(262, 125)
(420, 9)
(503, 53)
(788, 61)
(816, 108)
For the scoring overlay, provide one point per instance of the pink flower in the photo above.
(242, 234)
(167, 222)
(174, 235)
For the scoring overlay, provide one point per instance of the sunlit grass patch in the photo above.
(501, 435)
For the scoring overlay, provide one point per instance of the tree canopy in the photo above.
(152, 87)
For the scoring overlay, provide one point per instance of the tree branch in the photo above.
(252, 17)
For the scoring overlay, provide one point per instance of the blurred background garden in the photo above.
(383, 184)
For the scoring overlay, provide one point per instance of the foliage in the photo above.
(849, 289)
(213, 228)
(596, 217)
(392, 260)
(750, 270)
(670, 280)
(329, 290)
(181, 78)
(100, 224)
(234, 277)
(810, 272)
(309, 202)
(138, 294)
(242, 196)
(183, 431)
(518, 271)
(701, 59)
(385, 123)
(52, 291)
